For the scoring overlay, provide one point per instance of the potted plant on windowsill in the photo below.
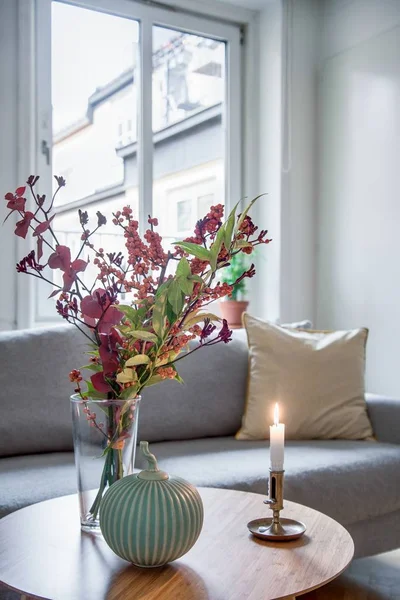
(234, 275)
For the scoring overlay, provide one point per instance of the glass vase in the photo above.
(105, 438)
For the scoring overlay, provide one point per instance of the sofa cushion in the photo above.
(338, 477)
(29, 479)
(210, 401)
(317, 377)
(35, 414)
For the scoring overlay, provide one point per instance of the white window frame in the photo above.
(36, 16)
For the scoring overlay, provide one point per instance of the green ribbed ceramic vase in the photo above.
(151, 518)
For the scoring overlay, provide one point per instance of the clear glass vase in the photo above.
(105, 438)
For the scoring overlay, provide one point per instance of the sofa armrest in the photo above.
(384, 413)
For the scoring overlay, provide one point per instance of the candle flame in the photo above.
(276, 414)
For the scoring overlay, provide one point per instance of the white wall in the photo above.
(8, 156)
(298, 198)
(359, 194)
(288, 83)
(267, 212)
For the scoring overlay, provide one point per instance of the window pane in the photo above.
(188, 135)
(94, 99)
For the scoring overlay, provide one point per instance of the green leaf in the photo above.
(246, 210)
(229, 226)
(160, 308)
(216, 247)
(153, 380)
(129, 312)
(93, 393)
(139, 359)
(128, 375)
(184, 276)
(130, 392)
(243, 244)
(178, 378)
(196, 278)
(186, 285)
(140, 334)
(170, 314)
(163, 287)
(93, 367)
(195, 249)
(183, 268)
(176, 297)
(200, 317)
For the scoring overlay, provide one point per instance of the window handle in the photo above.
(46, 151)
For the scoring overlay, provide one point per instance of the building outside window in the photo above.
(97, 91)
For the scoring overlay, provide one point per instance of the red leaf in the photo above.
(22, 226)
(79, 265)
(54, 293)
(20, 191)
(91, 308)
(40, 247)
(17, 204)
(41, 228)
(99, 383)
(60, 259)
(9, 196)
(68, 279)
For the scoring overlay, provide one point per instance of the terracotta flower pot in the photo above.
(232, 311)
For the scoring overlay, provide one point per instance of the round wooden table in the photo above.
(45, 555)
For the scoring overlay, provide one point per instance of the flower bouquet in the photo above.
(137, 342)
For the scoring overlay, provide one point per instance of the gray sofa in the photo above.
(191, 428)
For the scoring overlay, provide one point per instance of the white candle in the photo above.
(277, 442)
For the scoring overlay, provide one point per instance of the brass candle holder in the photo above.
(275, 528)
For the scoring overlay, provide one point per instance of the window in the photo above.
(204, 203)
(145, 112)
(184, 215)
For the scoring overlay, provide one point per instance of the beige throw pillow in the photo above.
(317, 377)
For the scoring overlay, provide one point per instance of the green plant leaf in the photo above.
(93, 367)
(93, 393)
(200, 317)
(170, 314)
(141, 334)
(130, 392)
(183, 268)
(229, 226)
(195, 249)
(246, 210)
(184, 276)
(128, 311)
(243, 244)
(153, 380)
(128, 375)
(186, 285)
(216, 247)
(160, 309)
(139, 359)
(176, 297)
(196, 278)
(178, 378)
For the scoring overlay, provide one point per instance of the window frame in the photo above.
(38, 25)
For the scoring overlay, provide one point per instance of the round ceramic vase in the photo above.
(151, 518)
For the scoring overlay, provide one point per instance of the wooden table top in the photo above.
(44, 554)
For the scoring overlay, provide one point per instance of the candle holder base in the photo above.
(283, 531)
